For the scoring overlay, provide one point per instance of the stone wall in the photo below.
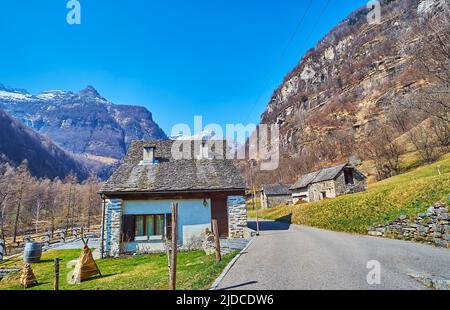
(227, 246)
(432, 227)
(274, 201)
(237, 217)
(359, 184)
(316, 189)
(113, 228)
(300, 195)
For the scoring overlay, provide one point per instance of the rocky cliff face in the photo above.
(83, 122)
(350, 77)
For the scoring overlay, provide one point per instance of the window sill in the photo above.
(151, 238)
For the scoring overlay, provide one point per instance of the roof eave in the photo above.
(296, 188)
(111, 193)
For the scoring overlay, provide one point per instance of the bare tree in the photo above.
(26, 202)
(51, 203)
(432, 60)
(399, 117)
(381, 147)
(424, 142)
(22, 179)
(70, 181)
(92, 185)
(40, 199)
(5, 174)
(441, 130)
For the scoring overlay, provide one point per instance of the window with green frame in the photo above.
(149, 225)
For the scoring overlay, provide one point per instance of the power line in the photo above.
(282, 55)
(287, 47)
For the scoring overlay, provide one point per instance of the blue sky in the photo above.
(221, 59)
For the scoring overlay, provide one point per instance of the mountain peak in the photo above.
(13, 90)
(90, 91)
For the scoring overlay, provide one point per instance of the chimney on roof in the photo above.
(204, 150)
(149, 155)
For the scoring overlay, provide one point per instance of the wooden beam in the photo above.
(173, 261)
(217, 240)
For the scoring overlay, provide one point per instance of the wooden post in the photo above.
(217, 240)
(173, 262)
(102, 237)
(252, 162)
(257, 212)
(167, 245)
(56, 275)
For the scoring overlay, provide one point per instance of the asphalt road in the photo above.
(78, 244)
(296, 257)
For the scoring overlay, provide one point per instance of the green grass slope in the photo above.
(406, 194)
(195, 271)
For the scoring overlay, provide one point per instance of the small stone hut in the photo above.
(273, 195)
(329, 183)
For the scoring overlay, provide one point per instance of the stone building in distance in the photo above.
(329, 183)
(273, 195)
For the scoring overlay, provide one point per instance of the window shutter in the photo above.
(128, 223)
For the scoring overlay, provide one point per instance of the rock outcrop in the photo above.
(348, 82)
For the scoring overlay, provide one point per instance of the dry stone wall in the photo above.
(432, 227)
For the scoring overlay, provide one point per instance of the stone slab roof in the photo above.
(325, 174)
(171, 175)
(276, 189)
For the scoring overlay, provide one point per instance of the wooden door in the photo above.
(219, 212)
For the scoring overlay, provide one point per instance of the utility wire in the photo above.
(280, 60)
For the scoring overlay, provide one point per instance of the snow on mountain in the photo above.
(83, 122)
(7, 95)
(205, 135)
(51, 94)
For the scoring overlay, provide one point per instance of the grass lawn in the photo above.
(406, 194)
(195, 271)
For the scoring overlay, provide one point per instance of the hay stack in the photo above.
(86, 267)
(28, 279)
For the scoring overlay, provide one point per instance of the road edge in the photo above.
(230, 265)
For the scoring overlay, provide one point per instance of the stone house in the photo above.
(139, 195)
(273, 195)
(329, 183)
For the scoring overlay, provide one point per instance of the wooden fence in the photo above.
(48, 238)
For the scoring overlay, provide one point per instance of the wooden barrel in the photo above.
(32, 253)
